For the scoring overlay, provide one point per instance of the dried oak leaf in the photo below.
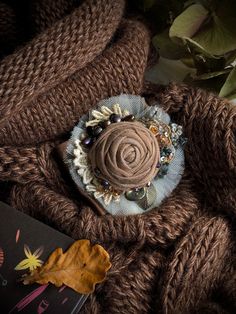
(80, 267)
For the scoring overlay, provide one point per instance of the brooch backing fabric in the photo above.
(126, 155)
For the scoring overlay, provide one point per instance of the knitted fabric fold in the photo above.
(113, 72)
(177, 258)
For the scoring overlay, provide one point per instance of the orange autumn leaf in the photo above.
(80, 267)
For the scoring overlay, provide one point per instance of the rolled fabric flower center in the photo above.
(125, 155)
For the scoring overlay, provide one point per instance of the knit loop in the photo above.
(45, 13)
(203, 249)
(119, 69)
(57, 53)
(162, 227)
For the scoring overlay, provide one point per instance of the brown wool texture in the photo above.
(59, 60)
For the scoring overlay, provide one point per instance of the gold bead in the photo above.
(153, 129)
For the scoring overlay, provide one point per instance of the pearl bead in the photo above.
(114, 118)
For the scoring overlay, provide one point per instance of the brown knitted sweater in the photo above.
(177, 258)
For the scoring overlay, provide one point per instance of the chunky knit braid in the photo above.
(56, 54)
(176, 258)
(210, 126)
(154, 228)
(202, 251)
(45, 13)
(117, 70)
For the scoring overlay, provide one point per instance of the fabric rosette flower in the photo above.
(125, 155)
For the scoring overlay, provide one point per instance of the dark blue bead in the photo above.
(97, 130)
(87, 141)
(105, 184)
(104, 124)
(114, 118)
(89, 130)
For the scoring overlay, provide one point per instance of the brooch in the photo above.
(126, 155)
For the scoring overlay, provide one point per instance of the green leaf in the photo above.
(229, 87)
(230, 58)
(167, 70)
(167, 48)
(188, 61)
(214, 33)
(188, 23)
(213, 84)
(198, 48)
(210, 75)
(218, 36)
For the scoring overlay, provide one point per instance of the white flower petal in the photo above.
(119, 110)
(125, 113)
(107, 198)
(77, 152)
(82, 166)
(87, 176)
(115, 109)
(76, 162)
(93, 122)
(117, 199)
(98, 194)
(83, 160)
(106, 111)
(97, 114)
(91, 188)
(77, 142)
(79, 148)
(80, 171)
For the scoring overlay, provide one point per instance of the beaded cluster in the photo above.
(169, 136)
(100, 120)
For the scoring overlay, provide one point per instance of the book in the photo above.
(26, 243)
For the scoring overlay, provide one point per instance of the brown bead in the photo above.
(104, 124)
(130, 117)
(97, 130)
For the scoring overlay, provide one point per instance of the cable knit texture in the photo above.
(177, 258)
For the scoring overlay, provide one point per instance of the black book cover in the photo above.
(25, 243)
